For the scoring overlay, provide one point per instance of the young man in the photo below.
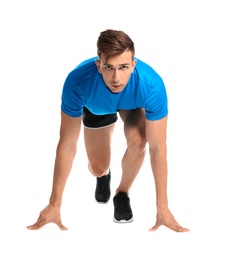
(94, 92)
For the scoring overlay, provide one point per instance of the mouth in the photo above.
(116, 86)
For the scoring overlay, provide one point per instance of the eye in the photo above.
(108, 67)
(124, 67)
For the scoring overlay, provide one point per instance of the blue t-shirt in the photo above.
(84, 86)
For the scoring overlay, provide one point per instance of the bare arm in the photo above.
(156, 136)
(65, 153)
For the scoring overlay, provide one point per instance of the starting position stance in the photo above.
(93, 93)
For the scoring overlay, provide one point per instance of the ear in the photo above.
(134, 64)
(97, 62)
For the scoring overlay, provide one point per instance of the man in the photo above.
(94, 92)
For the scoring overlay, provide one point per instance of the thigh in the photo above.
(134, 121)
(97, 144)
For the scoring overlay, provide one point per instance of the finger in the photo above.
(37, 225)
(178, 228)
(155, 227)
(60, 225)
(33, 227)
(182, 229)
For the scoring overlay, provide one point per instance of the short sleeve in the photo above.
(71, 101)
(156, 104)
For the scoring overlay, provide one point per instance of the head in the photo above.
(116, 62)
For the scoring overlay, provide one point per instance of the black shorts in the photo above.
(96, 121)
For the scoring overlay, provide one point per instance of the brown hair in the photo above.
(113, 42)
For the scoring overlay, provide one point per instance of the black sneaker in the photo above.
(122, 209)
(102, 191)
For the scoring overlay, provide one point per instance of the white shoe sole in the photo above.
(123, 220)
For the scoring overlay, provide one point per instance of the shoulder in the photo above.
(84, 70)
(146, 73)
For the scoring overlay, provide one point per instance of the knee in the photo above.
(136, 141)
(96, 170)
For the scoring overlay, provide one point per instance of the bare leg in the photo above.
(134, 129)
(97, 143)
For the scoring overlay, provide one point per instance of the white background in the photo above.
(187, 44)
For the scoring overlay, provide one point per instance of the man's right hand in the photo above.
(49, 214)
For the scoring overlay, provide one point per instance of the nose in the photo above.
(116, 76)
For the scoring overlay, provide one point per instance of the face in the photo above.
(116, 70)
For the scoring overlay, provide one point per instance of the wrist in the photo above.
(55, 202)
(162, 205)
